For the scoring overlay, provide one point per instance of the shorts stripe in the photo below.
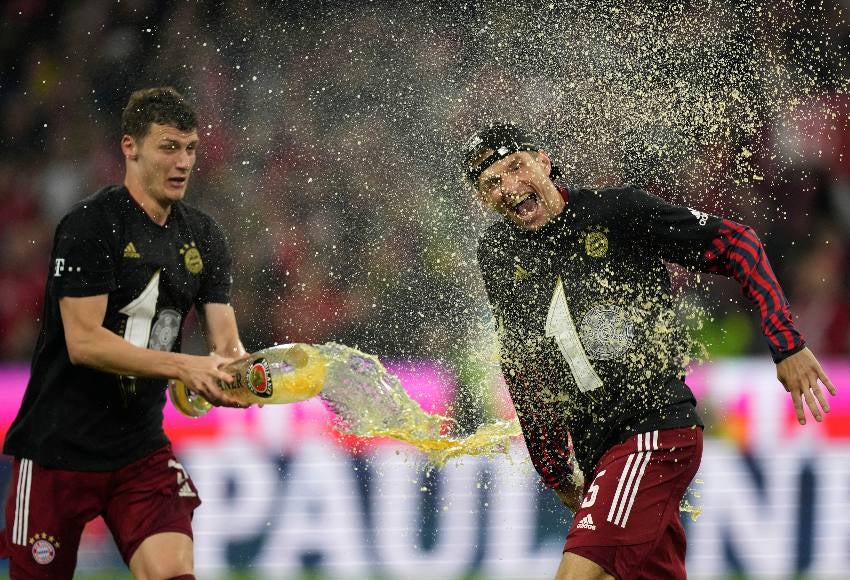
(620, 486)
(22, 503)
(637, 485)
(632, 473)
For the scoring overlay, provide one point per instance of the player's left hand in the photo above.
(799, 374)
(570, 496)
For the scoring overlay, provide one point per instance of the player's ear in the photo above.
(545, 160)
(129, 147)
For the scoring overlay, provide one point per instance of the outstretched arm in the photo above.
(738, 252)
(720, 246)
(220, 330)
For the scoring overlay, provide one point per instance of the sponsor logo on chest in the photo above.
(131, 252)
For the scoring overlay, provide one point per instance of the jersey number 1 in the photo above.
(140, 313)
(560, 326)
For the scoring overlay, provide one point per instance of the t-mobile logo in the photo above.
(60, 267)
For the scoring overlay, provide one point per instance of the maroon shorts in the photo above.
(628, 522)
(47, 509)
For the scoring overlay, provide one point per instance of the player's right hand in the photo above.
(204, 375)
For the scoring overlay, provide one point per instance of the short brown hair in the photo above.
(161, 105)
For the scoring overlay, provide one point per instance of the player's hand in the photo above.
(799, 374)
(570, 496)
(204, 375)
(233, 366)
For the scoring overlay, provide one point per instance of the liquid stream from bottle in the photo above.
(371, 402)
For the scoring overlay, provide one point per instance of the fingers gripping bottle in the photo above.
(285, 373)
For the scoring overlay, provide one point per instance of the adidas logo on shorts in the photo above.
(587, 523)
(186, 491)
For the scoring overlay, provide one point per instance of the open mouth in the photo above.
(177, 181)
(526, 205)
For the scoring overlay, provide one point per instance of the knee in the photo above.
(162, 557)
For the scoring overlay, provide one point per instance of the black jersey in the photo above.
(591, 345)
(76, 417)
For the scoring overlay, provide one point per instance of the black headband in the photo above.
(503, 139)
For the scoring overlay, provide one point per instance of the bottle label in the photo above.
(259, 378)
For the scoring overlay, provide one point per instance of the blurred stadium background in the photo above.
(329, 133)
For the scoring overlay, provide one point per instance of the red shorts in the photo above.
(47, 509)
(628, 522)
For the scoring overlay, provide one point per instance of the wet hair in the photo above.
(160, 105)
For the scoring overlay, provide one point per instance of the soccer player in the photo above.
(592, 351)
(127, 265)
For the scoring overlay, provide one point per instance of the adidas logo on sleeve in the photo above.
(587, 523)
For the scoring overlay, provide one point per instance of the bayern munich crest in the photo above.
(192, 258)
(259, 378)
(596, 242)
(44, 548)
(606, 332)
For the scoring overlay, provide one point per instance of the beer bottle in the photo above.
(285, 373)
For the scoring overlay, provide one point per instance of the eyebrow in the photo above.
(489, 181)
(170, 141)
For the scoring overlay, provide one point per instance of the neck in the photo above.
(555, 199)
(565, 194)
(156, 210)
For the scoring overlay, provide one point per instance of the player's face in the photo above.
(165, 160)
(518, 188)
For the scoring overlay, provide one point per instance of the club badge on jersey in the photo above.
(192, 258)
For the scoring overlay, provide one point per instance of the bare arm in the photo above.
(92, 345)
(221, 331)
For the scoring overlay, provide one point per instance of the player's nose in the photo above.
(509, 185)
(184, 160)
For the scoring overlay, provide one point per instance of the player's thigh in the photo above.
(575, 567)
(152, 496)
(164, 555)
(46, 511)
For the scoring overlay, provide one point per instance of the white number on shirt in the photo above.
(560, 326)
(140, 313)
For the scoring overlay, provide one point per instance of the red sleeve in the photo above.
(548, 441)
(737, 252)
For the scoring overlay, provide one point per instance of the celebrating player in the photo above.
(593, 354)
(127, 265)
